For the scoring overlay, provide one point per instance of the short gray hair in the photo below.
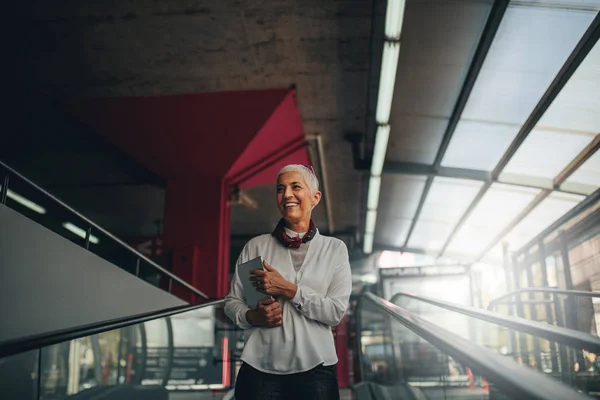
(309, 176)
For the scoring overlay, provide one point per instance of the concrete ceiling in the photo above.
(153, 48)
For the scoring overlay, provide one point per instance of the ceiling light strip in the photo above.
(79, 232)
(394, 17)
(387, 81)
(24, 202)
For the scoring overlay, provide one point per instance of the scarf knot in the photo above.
(281, 235)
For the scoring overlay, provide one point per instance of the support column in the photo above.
(196, 232)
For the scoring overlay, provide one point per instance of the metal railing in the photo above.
(21, 345)
(92, 225)
(561, 335)
(554, 291)
(511, 378)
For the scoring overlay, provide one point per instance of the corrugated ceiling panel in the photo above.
(398, 202)
(501, 204)
(531, 46)
(438, 43)
(446, 202)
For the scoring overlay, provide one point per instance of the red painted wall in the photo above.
(202, 143)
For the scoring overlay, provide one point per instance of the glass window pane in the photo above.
(194, 328)
(570, 123)
(531, 46)
(478, 145)
(497, 208)
(548, 211)
(529, 49)
(398, 202)
(446, 202)
(588, 173)
(577, 106)
(438, 44)
(545, 153)
(415, 138)
(494, 257)
(157, 334)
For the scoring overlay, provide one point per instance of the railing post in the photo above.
(523, 350)
(564, 358)
(548, 308)
(4, 191)
(170, 284)
(571, 317)
(88, 233)
(512, 338)
(39, 374)
(533, 313)
(137, 267)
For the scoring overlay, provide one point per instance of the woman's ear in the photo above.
(316, 199)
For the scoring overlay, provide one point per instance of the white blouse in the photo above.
(304, 340)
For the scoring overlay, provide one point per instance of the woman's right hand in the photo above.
(268, 313)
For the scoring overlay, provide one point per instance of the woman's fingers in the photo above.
(275, 321)
(264, 303)
(258, 272)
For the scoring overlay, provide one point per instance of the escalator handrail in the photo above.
(569, 337)
(551, 290)
(139, 255)
(511, 378)
(33, 342)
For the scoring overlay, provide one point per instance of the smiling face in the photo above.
(294, 200)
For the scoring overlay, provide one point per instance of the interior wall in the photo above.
(48, 283)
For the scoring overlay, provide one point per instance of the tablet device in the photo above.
(250, 293)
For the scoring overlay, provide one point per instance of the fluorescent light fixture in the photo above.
(381, 141)
(387, 80)
(24, 202)
(79, 232)
(373, 198)
(368, 243)
(394, 16)
(370, 222)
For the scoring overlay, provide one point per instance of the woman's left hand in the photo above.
(272, 283)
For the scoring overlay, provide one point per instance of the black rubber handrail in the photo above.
(89, 222)
(569, 337)
(33, 342)
(503, 298)
(510, 378)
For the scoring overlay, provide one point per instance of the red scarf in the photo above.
(280, 234)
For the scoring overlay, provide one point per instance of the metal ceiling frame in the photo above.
(584, 46)
(485, 42)
(419, 169)
(586, 153)
(574, 212)
(582, 157)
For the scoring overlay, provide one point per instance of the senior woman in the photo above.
(289, 351)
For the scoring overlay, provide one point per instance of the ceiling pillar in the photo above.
(197, 232)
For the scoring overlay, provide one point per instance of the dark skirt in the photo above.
(319, 383)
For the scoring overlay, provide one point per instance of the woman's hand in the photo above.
(272, 283)
(268, 313)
